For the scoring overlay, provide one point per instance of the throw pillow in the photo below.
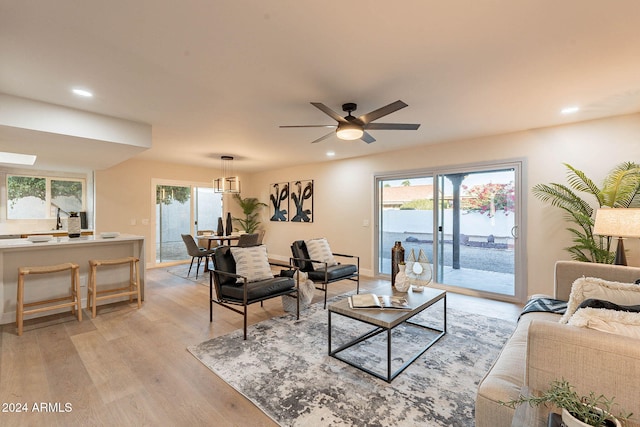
(610, 321)
(592, 287)
(598, 303)
(252, 262)
(319, 250)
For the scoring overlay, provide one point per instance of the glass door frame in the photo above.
(151, 258)
(520, 259)
(378, 220)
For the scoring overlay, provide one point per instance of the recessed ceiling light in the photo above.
(17, 159)
(331, 153)
(83, 92)
(570, 110)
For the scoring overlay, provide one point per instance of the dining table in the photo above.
(220, 239)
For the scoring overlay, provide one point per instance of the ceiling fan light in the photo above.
(349, 132)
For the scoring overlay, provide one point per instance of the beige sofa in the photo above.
(542, 350)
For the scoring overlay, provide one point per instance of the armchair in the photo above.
(247, 280)
(323, 269)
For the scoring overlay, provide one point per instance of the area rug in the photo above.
(182, 269)
(283, 368)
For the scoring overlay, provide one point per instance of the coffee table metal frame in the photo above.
(386, 321)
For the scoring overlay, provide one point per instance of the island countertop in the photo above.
(15, 253)
(65, 240)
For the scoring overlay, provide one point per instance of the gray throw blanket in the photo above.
(547, 305)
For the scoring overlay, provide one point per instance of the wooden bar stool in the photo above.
(93, 294)
(74, 296)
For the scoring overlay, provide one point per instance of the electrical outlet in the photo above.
(145, 221)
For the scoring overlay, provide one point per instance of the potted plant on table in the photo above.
(577, 411)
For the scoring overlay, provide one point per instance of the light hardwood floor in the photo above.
(130, 367)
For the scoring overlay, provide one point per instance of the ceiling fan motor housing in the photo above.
(349, 107)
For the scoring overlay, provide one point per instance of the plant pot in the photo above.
(570, 421)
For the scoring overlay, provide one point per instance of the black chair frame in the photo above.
(322, 284)
(232, 303)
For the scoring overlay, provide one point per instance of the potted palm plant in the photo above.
(577, 411)
(620, 189)
(251, 209)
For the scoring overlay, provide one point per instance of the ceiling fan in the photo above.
(350, 127)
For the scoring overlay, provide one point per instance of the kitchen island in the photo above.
(15, 253)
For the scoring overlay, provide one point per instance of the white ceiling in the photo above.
(219, 77)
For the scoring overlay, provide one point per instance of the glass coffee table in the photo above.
(384, 321)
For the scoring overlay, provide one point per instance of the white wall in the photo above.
(344, 188)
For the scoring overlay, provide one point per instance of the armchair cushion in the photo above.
(299, 251)
(319, 250)
(333, 272)
(252, 262)
(257, 290)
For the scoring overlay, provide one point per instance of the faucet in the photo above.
(58, 221)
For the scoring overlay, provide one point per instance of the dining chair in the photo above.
(196, 252)
(247, 240)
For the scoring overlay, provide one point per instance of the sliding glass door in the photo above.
(464, 220)
(173, 218)
(477, 230)
(405, 215)
(182, 209)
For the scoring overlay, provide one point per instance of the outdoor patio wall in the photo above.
(344, 189)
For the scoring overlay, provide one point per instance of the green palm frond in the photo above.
(580, 182)
(622, 185)
(621, 189)
(561, 196)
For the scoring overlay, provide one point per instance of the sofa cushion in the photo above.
(252, 262)
(592, 287)
(319, 250)
(605, 320)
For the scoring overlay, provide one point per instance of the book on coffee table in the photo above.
(381, 302)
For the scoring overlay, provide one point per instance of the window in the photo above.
(33, 197)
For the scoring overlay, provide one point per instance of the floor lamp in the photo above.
(620, 223)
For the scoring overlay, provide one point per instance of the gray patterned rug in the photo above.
(284, 369)
(181, 270)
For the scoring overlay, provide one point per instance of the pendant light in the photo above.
(229, 182)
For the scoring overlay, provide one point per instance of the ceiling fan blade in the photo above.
(380, 112)
(309, 126)
(392, 126)
(329, 112)
(322, 138)
(367, 138)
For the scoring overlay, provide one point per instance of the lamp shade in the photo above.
(617, 222)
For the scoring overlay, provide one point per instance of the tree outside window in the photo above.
(29, 197)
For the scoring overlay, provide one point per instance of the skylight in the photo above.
(17, 159)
